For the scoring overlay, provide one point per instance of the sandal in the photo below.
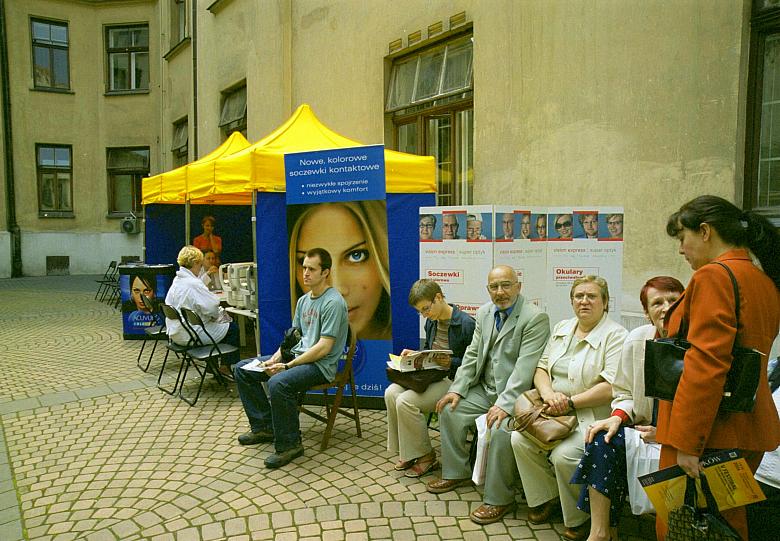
(423, 466)
(402, 465)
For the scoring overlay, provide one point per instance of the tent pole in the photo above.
(186, 222)
(257, 273)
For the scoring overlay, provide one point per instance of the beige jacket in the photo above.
(629, 385)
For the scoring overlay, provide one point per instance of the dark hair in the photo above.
(661, 283)
(149, 280)
(209, 218)
(325, 261)
(744, 229)
(423, 289)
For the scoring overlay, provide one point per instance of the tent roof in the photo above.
(168, 187)
(232, 178)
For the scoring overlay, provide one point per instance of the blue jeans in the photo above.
(280, 414)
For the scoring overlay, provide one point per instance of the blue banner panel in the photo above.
(403, 214)
(151, 281)
(164, 230)
(342, 174)
(273, 271)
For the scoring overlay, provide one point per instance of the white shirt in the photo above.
(769, 470)
(628, 389)
(189, 291)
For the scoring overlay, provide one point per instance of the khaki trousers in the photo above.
(407, 418)
(546, 474)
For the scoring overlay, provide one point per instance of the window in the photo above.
(430, 101)
(178, 21)
(128, 58)
(762, 141)
(55, 180)
(233, 115)
(179, 146)
(126, 167)
(50, 54)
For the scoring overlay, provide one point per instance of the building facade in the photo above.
(594, 102)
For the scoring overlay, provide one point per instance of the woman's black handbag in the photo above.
(664, 366)
(416, 380)
(291, 338)
(693, 523)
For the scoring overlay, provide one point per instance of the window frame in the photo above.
(131, 52)
(41, 169)
(178, 22)
(764, 23)
(50, 47)
(239, 123)
(420, 112)
(182, 151)
(138, 176)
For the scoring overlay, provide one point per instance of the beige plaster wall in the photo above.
(84, 118)
(609, 102)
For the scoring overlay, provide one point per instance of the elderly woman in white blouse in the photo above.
(574, 377)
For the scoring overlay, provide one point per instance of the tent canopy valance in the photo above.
(230, 175)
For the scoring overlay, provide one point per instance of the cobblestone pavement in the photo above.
(91, 449)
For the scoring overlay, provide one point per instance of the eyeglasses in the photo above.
(559, 225)
(426, 226)
(506, 286)
(579, 297)
(425, 309)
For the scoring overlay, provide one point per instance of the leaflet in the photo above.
(421, 360)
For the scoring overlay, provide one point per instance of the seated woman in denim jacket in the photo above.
(446, 327)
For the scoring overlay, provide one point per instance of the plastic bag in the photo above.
(641, 458)
(483, 444)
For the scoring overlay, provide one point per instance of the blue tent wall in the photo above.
(234, 226)
(164, 230)
(273, 288)
(403, 218)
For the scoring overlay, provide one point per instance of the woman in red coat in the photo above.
(712, 229)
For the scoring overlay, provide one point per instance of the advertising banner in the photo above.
(518, 244)
(456, 250)
(151, 281)
(336, 201)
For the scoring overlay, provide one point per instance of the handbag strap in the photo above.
(691, 495)
(736, 297)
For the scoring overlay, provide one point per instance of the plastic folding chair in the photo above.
(208, 354)
(343, 378)
(106, 280)
(178, 350)
(155, 333)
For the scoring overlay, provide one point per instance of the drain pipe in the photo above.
(8, 151)
(195, 153)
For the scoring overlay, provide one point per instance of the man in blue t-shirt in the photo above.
(321, 316)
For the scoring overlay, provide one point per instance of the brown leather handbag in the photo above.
(544, 430)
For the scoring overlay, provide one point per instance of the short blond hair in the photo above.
(189, 256)
(599, 281)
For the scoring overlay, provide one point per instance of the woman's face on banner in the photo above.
(138, 288)
(354, 273)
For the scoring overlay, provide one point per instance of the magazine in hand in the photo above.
(419, 360)
(728, 475)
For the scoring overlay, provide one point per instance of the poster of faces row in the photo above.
(549, 247)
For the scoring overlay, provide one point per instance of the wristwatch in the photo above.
(286, 366)
(571, 404)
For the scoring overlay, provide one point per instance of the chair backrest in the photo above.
(109, 270)
(194, 320)
(171, 313)
(345, 374)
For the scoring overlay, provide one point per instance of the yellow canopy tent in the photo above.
(170, 186)
(260, 167)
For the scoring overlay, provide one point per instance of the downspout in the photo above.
(8, 152)
(194, 18)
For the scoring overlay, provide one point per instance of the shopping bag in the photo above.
(693, 523)
(483, 443)
(641, 458)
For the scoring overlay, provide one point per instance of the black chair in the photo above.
(107, 279)
(208, 354)
(155, 333)
(178, 350)
(343, 378)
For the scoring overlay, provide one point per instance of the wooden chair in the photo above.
(343, 378)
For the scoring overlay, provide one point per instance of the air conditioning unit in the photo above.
(130, 225)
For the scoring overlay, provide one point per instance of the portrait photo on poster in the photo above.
(478, 226)
(611, 226)
(429, 227)
(453, 224)
(134, 309)
(355, 235)
(586, 224)
(506, 226)
(561, 226)
(539, 226)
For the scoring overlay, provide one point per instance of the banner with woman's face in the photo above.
(355, 235)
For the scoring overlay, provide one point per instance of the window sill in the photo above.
(183, 44)
(122, 215)
(125, 92)
(52, 90)
(217, 5)
(56, 214)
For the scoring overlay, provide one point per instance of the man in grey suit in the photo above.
(498, 366)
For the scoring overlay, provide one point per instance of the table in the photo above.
(244, 315)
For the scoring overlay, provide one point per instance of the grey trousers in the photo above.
(501, 472)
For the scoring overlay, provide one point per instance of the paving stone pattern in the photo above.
(91, 449)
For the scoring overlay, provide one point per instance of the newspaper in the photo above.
(420, 360)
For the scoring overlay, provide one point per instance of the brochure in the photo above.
(420, 360)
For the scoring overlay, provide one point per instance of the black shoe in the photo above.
(277, 460)
(253, 438)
